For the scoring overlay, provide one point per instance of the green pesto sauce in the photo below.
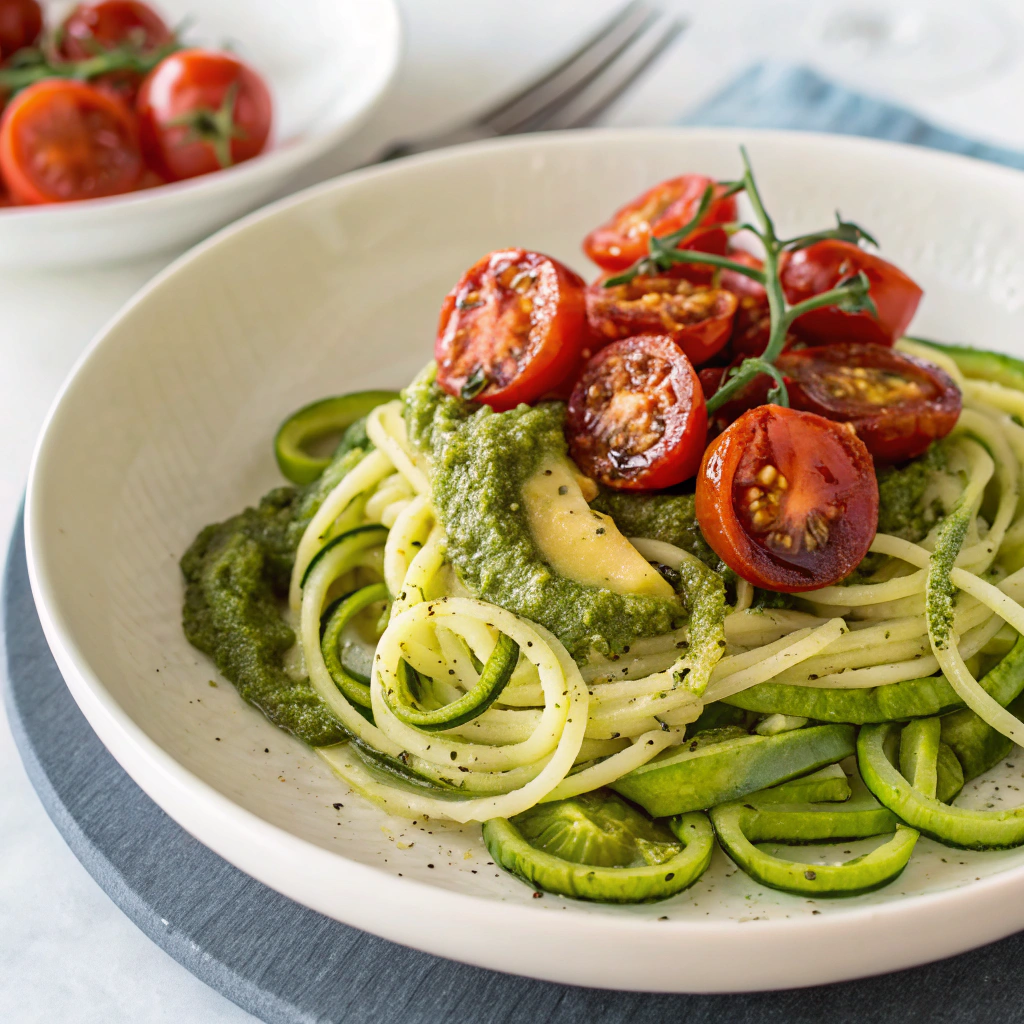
(902, 511)
(939, 589)
(236, 578)
(479, 462)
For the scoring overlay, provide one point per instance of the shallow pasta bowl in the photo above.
(167, 423)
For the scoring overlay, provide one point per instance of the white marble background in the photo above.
(66, 952)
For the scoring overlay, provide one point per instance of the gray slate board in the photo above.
(287, 965)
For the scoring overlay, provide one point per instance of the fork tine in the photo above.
(572, 73)
(585, 106)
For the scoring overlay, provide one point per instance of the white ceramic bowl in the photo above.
(167, 423)
(327, 62)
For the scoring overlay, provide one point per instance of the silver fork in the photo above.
(575, 92)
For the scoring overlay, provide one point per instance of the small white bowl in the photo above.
(327, 63)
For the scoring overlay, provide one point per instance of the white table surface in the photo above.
(66, 952)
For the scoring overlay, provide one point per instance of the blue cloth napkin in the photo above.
(776, 95)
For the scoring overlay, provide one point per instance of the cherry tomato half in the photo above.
(21, 23)
(201, 111)
(661, 210)
(752, 325)
(897, 404)
(697, 319)
(512, 329)
(93, 28)
(788, 499)
(62, 140)
(819, 267)
(637, 419)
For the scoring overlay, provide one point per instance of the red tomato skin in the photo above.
(93, 27)
(557, 334)
(192, 80)
(830, 458)
(819, 267)
(752, 324)
(893, 430)
(676, 454)
(619, 243)
(21, 24)
(34, 110)
(699, 320)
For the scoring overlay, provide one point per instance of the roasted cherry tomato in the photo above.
(201, 111)
(637, 419)
(897, 404)
(512, 330)
(659, 211)
(787, 499)
(819, 267)
(21, 23)
(94, 28)
(697, 319)
(62, 140)
(752, 324)
(752, 394)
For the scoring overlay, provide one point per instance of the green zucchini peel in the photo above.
(405, 704)
(315, 422)
(912, 698)
(954, 826)
(598, 847)
(336, 618)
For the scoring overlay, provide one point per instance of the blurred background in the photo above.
(65, 951)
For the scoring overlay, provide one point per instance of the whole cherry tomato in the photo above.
(91, 28)
(62, 140)
(512, 330)
(95, 28)
(897, 404)
(636, 418)
(822, 266)
(787, 499)
(697, 319)
(201, 111)
(665, 208)
(752, 325)
(21, 24)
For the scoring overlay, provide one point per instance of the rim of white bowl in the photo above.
(283, 158)
(917, 924)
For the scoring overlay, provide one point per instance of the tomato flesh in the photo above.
(512, 329)
(697, 319)
(201, 111)
(788, 499)
(637, 418)
(824, 265)
(897, 404)
(665, 208)
(63, 140)
(21, 24)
